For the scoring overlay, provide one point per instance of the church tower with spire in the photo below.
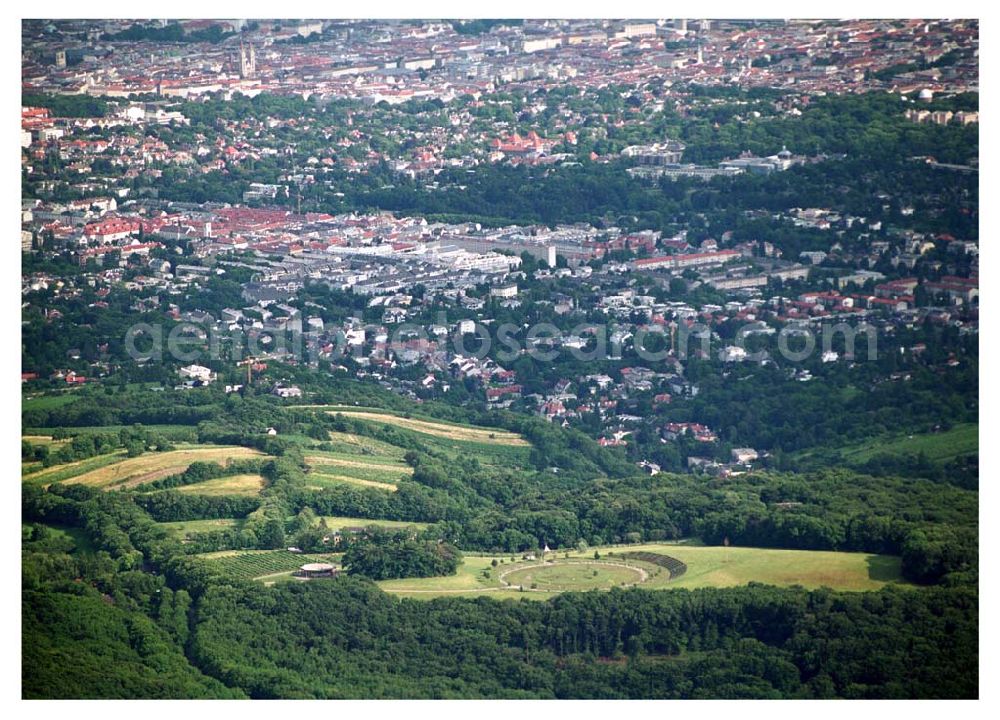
(248, 60)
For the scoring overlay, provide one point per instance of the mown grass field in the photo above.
(712, 566)
(491, 446)
(230, 485)
(381, 471)
(468, 581)
(367, 468)
(154, 466)
(707, 567)
(959, 441)
(47, 402)
(186, 528)
(335, 522)
(487, 452)
(440, 429)
(60, 473)
(349, 445)
(320, 481)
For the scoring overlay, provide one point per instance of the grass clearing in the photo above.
(438, 428)
(389, 469)
(327, 469)
(353, 445)
(487, 453)
(230, 485)
(81, 543)
(714, 566)
(47, 402)
(941, 447)
(468, 580)
(47, 440)
(60, 473)
(361, 460)
(186, 528)
(959, 441)
(706, 567)
(318, 481)
(334, 522)
(155, 466)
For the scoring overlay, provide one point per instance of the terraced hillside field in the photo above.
(438, 428)
(155, 466)
(450, 441)
(34, 473)
(331, 468)
(349, 444)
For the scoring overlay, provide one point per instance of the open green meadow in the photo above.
(959, 441)
(706, 567)
(47, 402)
(536, 579)
(186, 528)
